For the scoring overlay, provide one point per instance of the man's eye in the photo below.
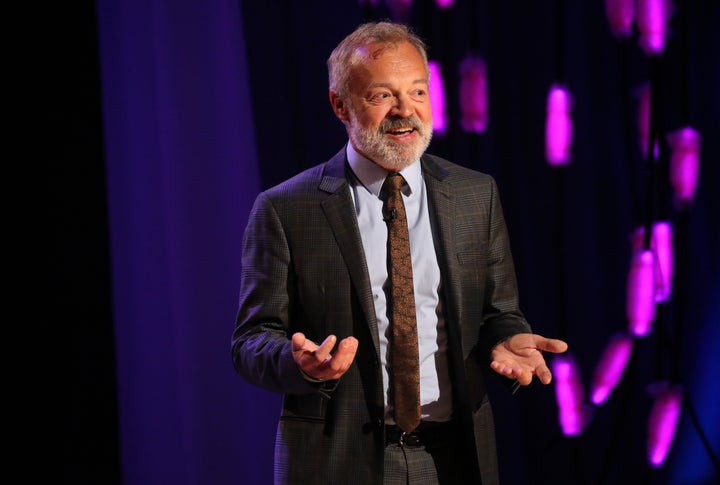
(379, 97)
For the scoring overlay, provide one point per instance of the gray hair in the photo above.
(347, 54)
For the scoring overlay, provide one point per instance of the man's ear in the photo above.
(339, 106)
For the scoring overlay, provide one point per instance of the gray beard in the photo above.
(387, 153)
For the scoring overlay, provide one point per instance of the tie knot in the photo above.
(393, 182)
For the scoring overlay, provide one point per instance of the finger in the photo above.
(544, 374)
(504, 369)
(553, 345)
(298, 341)
(346, 351)
(336, 365)
(323, 351)
(522, 376)
(516, 372)
(498, 367)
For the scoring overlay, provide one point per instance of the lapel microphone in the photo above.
(391, 216)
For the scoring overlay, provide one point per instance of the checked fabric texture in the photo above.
(404, 361)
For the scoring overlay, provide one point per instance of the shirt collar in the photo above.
(372, 176)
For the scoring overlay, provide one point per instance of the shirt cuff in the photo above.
(310, 378)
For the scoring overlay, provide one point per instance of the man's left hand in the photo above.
(520, 357)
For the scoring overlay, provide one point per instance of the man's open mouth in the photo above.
(401, 131)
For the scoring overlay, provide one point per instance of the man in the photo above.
(315, 319)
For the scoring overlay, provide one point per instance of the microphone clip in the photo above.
(391, 215)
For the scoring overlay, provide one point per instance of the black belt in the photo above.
(429, 433)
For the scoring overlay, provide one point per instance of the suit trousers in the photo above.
(436, 464)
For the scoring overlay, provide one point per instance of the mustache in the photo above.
(399, 123)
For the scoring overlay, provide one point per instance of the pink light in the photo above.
(644, 121)
(568, 393)
(662, 247)
(684, 163)
(437, 98)
(663, 419)
(473, 94)
(620, 15)
(611, 367)
(640, 304)
(558, 127)
(444, 3)
(665, 265)
(652, 16)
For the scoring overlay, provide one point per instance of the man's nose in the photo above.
(403, 107)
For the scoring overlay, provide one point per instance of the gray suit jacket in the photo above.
(304, 271)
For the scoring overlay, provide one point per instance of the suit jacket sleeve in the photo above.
(261, 349)
(502, 315)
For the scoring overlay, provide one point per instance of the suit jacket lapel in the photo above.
(442, 206)
(340, 213)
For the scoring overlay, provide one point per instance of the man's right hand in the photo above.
(317, 362)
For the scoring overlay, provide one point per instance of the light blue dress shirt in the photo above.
(435, 390)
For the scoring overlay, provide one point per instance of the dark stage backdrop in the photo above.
(190, 108)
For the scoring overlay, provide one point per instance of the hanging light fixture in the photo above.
(611, 367)
(684, 163)
(437, 98)
(473, 94)
(651, 20)
(664, 260)
(620, 14)
(663, 419)
(640, 302)
(558, 126)
(661, 244)
(572, 414)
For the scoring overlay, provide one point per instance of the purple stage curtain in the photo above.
(182, 174)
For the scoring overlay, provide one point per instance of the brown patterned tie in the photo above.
(404, 360)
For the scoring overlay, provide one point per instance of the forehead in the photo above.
(379, 50)
(382, 62)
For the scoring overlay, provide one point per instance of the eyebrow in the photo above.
(387, 85)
